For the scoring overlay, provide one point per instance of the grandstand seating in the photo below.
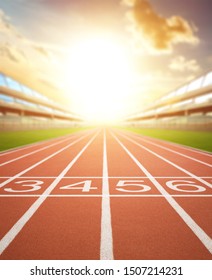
(191, 101)
(23, 103)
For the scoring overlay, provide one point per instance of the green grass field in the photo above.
(197, 139)
(12, 139)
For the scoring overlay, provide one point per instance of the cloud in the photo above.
(6, 28)
(155, 32)
(49, 83)
(12, 53)
(181, 64)
(41, 50)
(4, 22)
(19, 54)
(12, 44)
(18, 48)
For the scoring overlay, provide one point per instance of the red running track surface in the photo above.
(105, 194)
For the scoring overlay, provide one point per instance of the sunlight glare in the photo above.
(99, 74)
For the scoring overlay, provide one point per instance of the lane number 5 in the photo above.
(138, 186)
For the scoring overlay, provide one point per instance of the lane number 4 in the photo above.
(133, 186)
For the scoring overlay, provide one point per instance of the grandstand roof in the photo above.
(16, 97)
(192, 97)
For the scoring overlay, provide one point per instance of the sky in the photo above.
(105, 59)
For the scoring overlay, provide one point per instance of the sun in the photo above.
(98, 74)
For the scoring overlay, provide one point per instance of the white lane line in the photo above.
(31, 145)
(196, 229)
(28, 146)
(106, 243)
(12, 233)
(23, 147)
(36, 151)
(171, 163)
(109, 195)
(39, 162)
(170, 150)
(191, 149)
(100, 177)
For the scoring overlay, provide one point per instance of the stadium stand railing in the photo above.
(21, 103)
(189, 104)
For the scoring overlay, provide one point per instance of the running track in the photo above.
(105, 194)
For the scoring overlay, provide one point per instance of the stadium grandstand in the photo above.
(24, 108)
(187, 107)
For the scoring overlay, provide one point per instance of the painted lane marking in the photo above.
(196, 229)
(100, 195)
(17, 227)
(40, 162)
(85, 186)
(106, 243)
(170, 150)
(191, 149)
(36, 151)
(31, 145)
(171, 163)
(100, 177)
(33, 185)
(127, 186)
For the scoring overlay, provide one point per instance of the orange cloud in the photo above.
(26, 60)
(181, 64)
(157, 33)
